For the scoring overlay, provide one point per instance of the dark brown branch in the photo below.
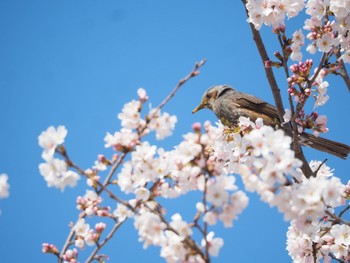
(343, 72)
(319, 167)
(338, 219)
(336, 259)
(344, 210)
(277, 96)
(268, 70)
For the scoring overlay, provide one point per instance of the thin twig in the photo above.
(103, 186)
(205, 227)
(113, 169)
(66, 244)
(297, 148)
(320, 66)
(337, 218)
(343, 211)
(107, 238)
(319, 167)
(192, 74)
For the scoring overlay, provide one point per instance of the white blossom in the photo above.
(50, 139)
(130, 115)
(4, 186)
(214, 244)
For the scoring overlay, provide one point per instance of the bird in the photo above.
(229, 105)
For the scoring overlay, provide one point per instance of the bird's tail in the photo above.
(336, 148)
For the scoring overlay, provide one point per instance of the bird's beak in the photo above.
(199, 107)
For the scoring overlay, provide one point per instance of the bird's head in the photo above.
(210, 96)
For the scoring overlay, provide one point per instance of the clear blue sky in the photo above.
(77, 62)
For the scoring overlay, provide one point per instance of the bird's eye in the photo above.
(208, 96)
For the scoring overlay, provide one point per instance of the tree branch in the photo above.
(277, 95)
(343, 72)
(192, 74)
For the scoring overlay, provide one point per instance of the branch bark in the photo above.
(277, 94)
(343, 72)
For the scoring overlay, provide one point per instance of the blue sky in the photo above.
(76, 63)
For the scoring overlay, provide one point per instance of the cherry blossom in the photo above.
(272, 12)
(50, 139)
(122, 212)
(207, 160)
(162, 123)
(214, 244)
(4, 186)
(150, 228)
(142, 94)
(56, 174)
(130, 115)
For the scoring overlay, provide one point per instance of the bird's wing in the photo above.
(255, 104)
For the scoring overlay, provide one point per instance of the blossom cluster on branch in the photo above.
(327, 31)
(204, 161)
(140, 175)
(316, 232)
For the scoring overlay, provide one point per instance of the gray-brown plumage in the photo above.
(229, 104)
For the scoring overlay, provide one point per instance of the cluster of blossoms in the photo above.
(269, 169)
(321, 240)
(153, 172)
(70, 256)
(300, 89)
(54, 170)
(4, 186)
(173, 237)
(325, 33)
(89, 204)
(297, 42)
(204, 161)
(272, 12)
(84, 233)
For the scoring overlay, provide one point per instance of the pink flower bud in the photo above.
(268, 63)
(282, 28)
(49, 248)
(196, 127)
(101, 158)
(278, 55)
(294, 68)
(100, 227)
